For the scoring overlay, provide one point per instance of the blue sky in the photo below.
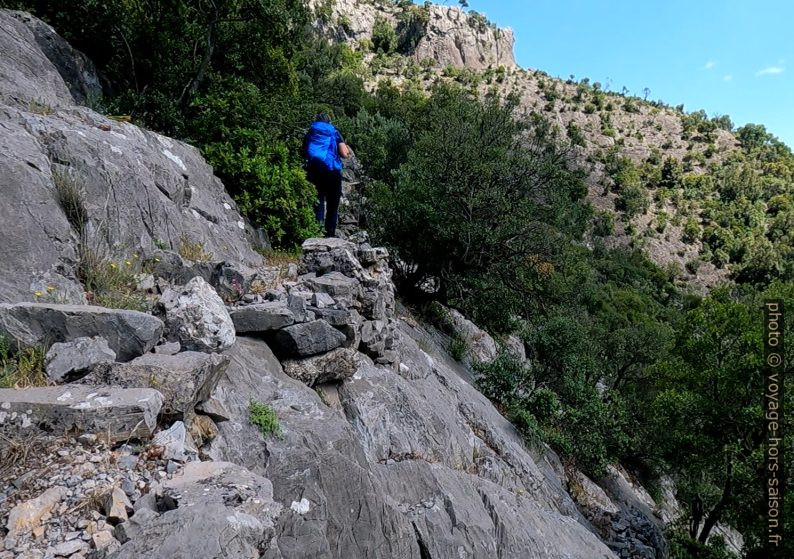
(732, 57)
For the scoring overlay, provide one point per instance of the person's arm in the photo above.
(344, 151)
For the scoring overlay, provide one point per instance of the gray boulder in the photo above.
(184, 379)
(213, 509)
(114, 414)
(307, 339)
(68, 361)
(263, 317)
(344, 290)
(128, 333)
(197, 317)
(336, 365)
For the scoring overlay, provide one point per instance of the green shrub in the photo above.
(458, 348)
(265, 418)
(274, 192)
(384, 36)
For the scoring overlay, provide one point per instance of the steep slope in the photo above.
(385, 448)
(137, 190)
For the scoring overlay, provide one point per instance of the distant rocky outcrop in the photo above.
(450, 36)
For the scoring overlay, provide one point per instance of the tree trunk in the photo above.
(716, 513)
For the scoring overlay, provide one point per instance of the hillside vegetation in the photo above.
(585, 221)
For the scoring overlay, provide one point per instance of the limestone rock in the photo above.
(115, 414)
(263, 317)
(128, 333)
(184, 379)
(482, 346)
(104, 541)
(67, 361)
(28, 514)
(162, 189)
(336, 365)
(216, 509)
(168, 348)
(307, 339)
(116, 506)
(176, 443)
(197, 317)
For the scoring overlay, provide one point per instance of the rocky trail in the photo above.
(149, 439)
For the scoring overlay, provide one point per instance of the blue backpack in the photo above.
(322, 143)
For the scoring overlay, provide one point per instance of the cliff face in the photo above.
(446, 34)
(282, 411)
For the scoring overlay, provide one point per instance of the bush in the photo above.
(384, 36)
(274, 191)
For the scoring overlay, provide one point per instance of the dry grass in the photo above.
(22, 367)
(70, 198)
(193, 250)
(15, 451)
(111, 283)
(39, 108)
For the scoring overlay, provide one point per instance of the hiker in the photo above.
(324, 148)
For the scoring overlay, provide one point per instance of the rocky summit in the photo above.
(241, 407)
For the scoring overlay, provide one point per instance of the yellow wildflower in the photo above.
(38, 293)
(50, 288)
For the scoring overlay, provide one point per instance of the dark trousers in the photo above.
(329, 192)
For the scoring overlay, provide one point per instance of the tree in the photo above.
(488, 193)
(718, 366)
(646, 92)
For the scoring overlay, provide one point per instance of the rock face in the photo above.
(455, 38)
(451, 36)
(196, 316)
(128, 333)
(213, 509)
(139, 189)
(115, 414)
(413, 455)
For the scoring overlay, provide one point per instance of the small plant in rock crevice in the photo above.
(265, 418)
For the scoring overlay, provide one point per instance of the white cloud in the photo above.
(770, 71)
(727, 77)
(709, 65)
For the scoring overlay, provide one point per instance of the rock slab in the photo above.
(128, 333)
(115, 414)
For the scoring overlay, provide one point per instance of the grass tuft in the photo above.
(193, 250)
(22, 367)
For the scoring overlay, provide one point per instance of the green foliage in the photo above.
(265, 418)
(473, 189)
(274, 192)
(458, 348)
(384, 36)
(21, 367)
